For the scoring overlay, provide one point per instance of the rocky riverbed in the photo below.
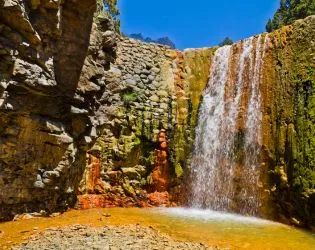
(108, 237)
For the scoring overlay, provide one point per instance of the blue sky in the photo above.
(196, 23)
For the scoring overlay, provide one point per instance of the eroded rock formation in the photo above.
(288, 121)
(48, 117)
(144, 141)
(161, 171)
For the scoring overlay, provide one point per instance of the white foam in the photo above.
(210, 215)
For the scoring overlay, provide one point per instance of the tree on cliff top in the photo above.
(109, 7)
(289, 11)
(226, 41)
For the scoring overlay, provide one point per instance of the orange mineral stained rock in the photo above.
(94, 184)
(160, 174)
(91, 201)
(159, 198)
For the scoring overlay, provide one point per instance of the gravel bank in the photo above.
(106, 238)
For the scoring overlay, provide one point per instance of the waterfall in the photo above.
(253, 140)
(226, 157)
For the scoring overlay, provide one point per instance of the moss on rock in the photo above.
(290, 123)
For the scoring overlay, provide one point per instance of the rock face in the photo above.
(160, 173)
(152, 95)
(288, 121)
(48, 116)
(111, 119)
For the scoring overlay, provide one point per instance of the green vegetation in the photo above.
(129, 97)
(226, 41)
(109, 7)
(294, 130)
(179, 172)
(289, 11)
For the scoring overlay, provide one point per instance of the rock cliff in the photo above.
(288, 121)
(152, 95)
(48, 112)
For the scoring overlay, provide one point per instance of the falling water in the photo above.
(253, 140)
(217, 158)
(211, 116)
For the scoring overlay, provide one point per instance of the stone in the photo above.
(131, 82)
(39, 184)
(162, 93)
(109, 39)
(171, 54)
(137, 78)
(154, 98)
(54, 127)
(116, 73)
(164, 106)
(142, 76)
(155, 70)
(106, 237)
(129, 190)
(145, 72)
(51, 174)
(151, 78)
(156, 84)
(47, 181)
(145, 81)
(131, 173)
(75, 110)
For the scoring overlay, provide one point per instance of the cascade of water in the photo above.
(253, 140)
(207, 134)
(215, 160)
(228, 133)
(254, 118)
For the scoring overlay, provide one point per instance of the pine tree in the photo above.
(269, 26)
(226, 41)
(289, 11)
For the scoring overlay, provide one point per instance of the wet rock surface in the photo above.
(109, 237)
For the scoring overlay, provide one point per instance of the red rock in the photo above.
(94, 184)
(159, 198)
(163, 154)
(160, 173)
(89, 201)
(163, 145)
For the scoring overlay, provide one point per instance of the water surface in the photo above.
(213, 228)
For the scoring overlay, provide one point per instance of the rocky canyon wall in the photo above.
(288, 89)
(72, 124)
(153, 95)
(47, 116)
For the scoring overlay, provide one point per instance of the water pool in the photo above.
(213, 228)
